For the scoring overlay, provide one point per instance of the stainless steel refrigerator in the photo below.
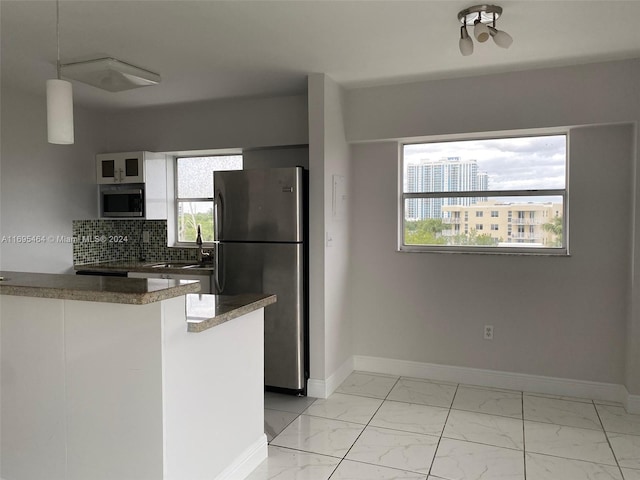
(260, 234)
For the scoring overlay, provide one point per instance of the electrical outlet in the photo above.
(488, 332)
(145, 236)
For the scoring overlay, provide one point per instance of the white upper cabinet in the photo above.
(121, 167)
(154, 170)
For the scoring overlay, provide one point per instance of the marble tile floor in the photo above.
(381, 427)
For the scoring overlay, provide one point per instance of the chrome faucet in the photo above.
(202, 256)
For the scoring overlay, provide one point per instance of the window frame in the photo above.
(403, 196)
(177, 199)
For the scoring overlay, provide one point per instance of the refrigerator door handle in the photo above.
(218, 265)
(217, 215)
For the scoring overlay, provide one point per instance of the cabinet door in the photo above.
(120, 167)
(107, 168)
(132, 167)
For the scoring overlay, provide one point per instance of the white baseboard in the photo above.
(632, 403)
(498, 379)
(323, 388)
(247, 461)
(475, 376)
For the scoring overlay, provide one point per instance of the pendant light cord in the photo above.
(58, 36)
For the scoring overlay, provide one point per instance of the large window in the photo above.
(194, 193)
(497, 183)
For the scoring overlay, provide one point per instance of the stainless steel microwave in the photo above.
(122, 200)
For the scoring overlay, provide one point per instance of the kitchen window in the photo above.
(519, 180)
(194, 193)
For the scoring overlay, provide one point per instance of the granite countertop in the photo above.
(206, 310)
(147, 267)
(133, 291)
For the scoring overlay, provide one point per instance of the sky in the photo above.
(521, 163)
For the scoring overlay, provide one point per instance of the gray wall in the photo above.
(43, 186)
(584, 94)
(329, 156)
(239, 123)
(555, 316)
(276, 157)
(563, 317)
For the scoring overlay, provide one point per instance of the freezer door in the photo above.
(261, 205)
(271, 268)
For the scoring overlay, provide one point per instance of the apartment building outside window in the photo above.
(499, 182)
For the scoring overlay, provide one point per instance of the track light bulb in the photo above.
(466, 44)
(501, 38)
(481, 31)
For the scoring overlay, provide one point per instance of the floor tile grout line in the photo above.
(289, 411)
(490, 389)
(274, 437)
(359, 395)
(586, 401)
(572, 459)
(338, 419)
(383, 466)
(365, 427)
(523, 394)
(488, 414)
(406, 431)
(435, 453)
(306, 451)
(484, 444)
(565, 425)
(297, 414)
(606, 435)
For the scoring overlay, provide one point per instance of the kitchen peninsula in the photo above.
(128, 378)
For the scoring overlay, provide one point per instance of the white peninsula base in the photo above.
(104, 391)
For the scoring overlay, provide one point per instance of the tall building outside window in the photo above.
(498, 182)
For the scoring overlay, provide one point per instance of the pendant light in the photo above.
(59, 101)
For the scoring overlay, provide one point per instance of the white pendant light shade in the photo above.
(502, 39)
(465, 44)
(59, 112)
(481, 32)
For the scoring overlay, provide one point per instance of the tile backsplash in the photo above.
(121, 240)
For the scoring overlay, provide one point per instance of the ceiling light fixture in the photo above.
(466, 44)
(110, 74)
(483, 19)
(59, 101)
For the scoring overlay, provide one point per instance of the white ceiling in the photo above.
(220, 49)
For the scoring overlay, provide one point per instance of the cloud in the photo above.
(511, 163)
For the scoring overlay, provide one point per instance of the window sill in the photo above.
(547, 252)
